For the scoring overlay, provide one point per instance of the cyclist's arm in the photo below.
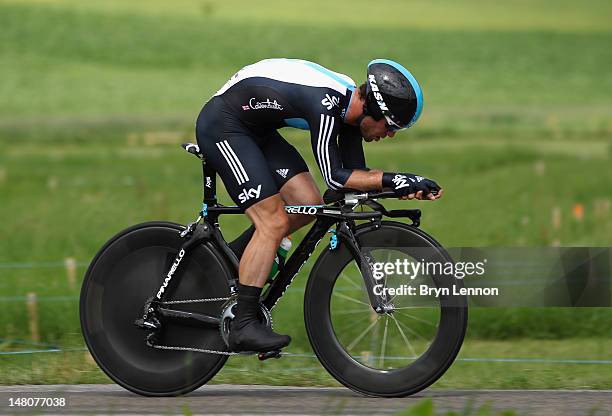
(353, 157)
(372, 181)
(324, 129)
(350, 143)
(341, 169)
(362, 180)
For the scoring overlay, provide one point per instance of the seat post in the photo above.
(209, 184)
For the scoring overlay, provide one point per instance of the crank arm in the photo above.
(189, 318)
(270, 354)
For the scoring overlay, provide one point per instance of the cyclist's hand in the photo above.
(410, 186)
(419, 195)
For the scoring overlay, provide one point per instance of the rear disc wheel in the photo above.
(127, 271)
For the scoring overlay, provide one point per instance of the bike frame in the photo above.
(206, 229)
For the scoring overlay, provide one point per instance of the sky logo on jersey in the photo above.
(377, 95)
(250, 194)
(329, 102)
(282, 172)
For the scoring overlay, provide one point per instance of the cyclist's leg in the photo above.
(289, 170)
(271, 224)
(238, 245)
(301, 190)
(297, 187)
(242, 167)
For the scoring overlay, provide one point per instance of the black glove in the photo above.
(407, 183)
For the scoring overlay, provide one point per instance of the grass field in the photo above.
(96, 96)
(77, 367)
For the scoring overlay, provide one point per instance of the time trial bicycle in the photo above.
(158, 297)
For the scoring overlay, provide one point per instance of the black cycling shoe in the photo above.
(256, 336)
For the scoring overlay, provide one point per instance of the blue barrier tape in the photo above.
(499, 360)
(27, 342)
(41, 265)
(42, 351)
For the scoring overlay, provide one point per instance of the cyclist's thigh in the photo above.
(301, 190)
(239, 162)
(284, 161)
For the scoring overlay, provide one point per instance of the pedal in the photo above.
(270, 354)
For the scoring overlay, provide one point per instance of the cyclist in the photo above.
(237, 133)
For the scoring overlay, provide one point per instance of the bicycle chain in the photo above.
(201, 350)
(193, 349)
(174, 302)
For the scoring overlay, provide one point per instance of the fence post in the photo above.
(556, 217)
(71, 266)
(32, 305)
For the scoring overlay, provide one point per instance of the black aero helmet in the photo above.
(392, 92)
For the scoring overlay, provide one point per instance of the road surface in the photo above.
(273, 400)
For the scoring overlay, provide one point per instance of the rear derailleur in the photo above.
(150, 321)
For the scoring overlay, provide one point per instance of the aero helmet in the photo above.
(392, 92)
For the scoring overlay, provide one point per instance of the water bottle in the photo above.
(281, 256)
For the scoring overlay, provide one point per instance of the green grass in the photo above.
(84, 60)
(426, 407)
(559, 16)
(77, 367)
(65, 197)
(95, 97)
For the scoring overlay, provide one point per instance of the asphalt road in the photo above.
(240, 399)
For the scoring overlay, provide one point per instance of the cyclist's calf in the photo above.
(270, 219)
(271, 225)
